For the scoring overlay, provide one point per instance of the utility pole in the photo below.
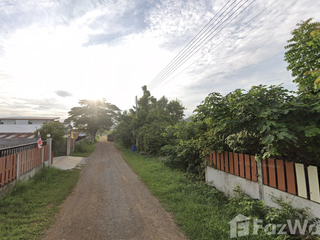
(137, 118)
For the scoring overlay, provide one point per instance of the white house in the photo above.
(19, 130)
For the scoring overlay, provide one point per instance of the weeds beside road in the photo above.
(84, 148)
(201, 211)
(32, 205)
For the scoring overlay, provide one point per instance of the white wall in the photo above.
(226, 182)
(295, 201)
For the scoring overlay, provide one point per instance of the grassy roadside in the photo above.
(203, 212)
(32, 205)
(196, 207)
(30, 208)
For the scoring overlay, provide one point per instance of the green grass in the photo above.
(201, 211)
(31, 206)
(84, 148)
(196, 207)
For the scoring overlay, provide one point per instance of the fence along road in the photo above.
(110, 202)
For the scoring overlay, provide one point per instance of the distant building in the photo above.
(19, 130)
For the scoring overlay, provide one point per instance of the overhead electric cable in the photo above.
(190, 44)
(247, 24)
(201, 44)
(195, 50)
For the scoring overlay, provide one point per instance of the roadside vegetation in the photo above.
(30, 208)
(265, 121)
(84, 148)
(201, 211)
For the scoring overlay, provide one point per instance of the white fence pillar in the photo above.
(301, 180)
(49, 143)
(260, 180)
(314, 183)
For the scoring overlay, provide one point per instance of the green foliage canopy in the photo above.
(56, 130)
(147, 121)
(303, 56)
(93, 116)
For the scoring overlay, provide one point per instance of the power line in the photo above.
(247, 24)
(203, 41)
(171, 67)
(204, 29)
(207, 39)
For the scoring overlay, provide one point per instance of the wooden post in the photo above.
(18, 166)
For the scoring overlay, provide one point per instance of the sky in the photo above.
(54, 53)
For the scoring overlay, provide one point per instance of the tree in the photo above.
(148, 121)
(303, 56)
(93, 116)
(56, 130)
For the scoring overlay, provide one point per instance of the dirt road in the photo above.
(110, 202)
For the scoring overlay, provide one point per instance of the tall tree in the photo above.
(148, 121)
(93, 116)
(303, 56)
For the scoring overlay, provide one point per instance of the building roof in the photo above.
(30, 128)
(16, 135)
(30, 118)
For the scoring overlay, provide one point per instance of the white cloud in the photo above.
(96, 49)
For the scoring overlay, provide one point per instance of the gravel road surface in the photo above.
(110, 202)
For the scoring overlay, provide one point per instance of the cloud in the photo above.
(62, 93)
(47, 107)
(114, 21)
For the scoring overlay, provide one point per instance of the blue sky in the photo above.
(54, 53)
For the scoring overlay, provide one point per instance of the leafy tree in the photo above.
(56, 130)
(264, 121)
(124, 130)
(148, 121)
(184, 149)
(303, 56)
(93, 116)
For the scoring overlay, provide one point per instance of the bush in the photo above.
(83, 146)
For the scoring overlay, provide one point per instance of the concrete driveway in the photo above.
(67, 162)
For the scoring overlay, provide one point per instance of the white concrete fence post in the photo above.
(49, 143)
(260, 179)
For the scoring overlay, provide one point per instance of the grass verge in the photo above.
(201, 211)
(31, 206)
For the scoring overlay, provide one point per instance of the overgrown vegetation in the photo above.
(265, 121)
(201, 211)
(84, 148)
(31, 206)
(147, 122)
